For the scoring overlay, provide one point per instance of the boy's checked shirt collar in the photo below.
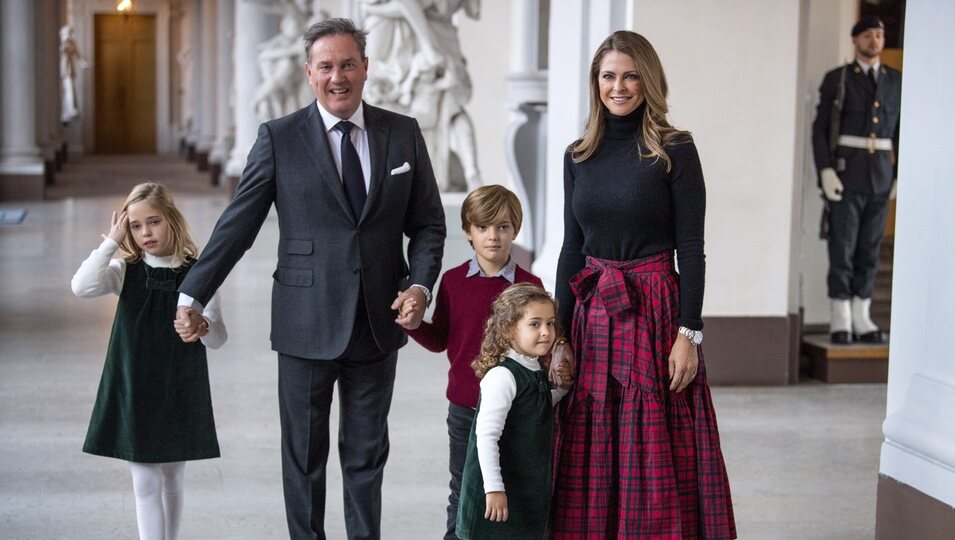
(509, 272)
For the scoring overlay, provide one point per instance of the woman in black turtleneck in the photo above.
(637, 450)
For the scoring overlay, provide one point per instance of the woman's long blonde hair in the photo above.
(656, 131)
(506, 311)
(157, 196)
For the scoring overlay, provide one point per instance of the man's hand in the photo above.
(190, 325)
(831, 185)
(496, 502)
(410, 304)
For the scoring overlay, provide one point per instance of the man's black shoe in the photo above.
(841, 338)
(877, 337)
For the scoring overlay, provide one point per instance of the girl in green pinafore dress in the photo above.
(506, 483)
(153, 408)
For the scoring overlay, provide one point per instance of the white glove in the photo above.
(892, 191)
(831, 185)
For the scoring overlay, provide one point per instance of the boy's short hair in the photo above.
(487, 205)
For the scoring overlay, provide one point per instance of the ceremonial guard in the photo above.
(854, 139)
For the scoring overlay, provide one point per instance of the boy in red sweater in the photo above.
(491, 217)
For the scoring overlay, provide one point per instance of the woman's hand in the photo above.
(496, 502)
(683, 363)
(117, 227)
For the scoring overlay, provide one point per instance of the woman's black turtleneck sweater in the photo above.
(620, 206)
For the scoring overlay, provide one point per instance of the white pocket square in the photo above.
(403, 169)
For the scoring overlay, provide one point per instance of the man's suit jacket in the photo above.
(323, 254)
(867, 110)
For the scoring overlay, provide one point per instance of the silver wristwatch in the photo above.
(695, 336)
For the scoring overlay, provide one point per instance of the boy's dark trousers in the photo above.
(459, 429)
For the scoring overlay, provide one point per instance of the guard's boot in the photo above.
(840, 322)
(862, 325)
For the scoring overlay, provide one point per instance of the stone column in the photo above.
(525, 139)
(225, 127)
(190, 65)
(21, 166)
(579, 26)
(47, 85)
(916, 488)
(252, 27)
(207, 95)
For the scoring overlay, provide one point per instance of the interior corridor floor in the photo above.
(802, 459)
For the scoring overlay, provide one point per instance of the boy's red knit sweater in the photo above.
(462, 307)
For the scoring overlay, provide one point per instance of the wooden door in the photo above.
(125, 84)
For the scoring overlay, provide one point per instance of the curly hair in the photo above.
(507, 310)
(157, 196)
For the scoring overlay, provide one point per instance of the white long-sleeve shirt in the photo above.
(498, 389)
(100, 274)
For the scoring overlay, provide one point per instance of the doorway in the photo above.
(125, 84)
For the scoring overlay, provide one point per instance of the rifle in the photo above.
(835, 123)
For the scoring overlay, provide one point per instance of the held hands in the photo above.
(190, 325)
(117, 227)
(496, 502)
(562, 363)
(410, 304)
(683, 363)
(831, 185)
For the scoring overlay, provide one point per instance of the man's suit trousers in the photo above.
(365, 378)
(855, 234)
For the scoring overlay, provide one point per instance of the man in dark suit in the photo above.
(348, 180)
(858, 177)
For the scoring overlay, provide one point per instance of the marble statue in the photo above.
(70, 61)
(417, 67)
(283, 89)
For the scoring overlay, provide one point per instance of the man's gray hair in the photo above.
(334, 27)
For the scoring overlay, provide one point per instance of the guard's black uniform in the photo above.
(856, 222)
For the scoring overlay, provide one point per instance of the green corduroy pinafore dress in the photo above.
(153, 403)
(525, 449)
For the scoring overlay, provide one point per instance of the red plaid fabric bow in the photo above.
(605, 320)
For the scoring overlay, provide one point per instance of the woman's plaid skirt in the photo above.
(632, 458)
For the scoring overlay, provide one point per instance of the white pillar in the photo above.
(252, 27)
(576, 28)
(208, 95)
(21, 167)
(919, 447)
(194, 32)
(525, 139)
(225, 38)
(47, 84)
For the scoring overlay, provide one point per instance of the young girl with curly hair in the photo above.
(506, 485)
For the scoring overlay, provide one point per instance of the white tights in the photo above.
(159, 494)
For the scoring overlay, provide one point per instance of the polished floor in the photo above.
(802, 459)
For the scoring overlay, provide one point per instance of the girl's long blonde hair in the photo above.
(656, 131)
(157, 196)
(506, 311)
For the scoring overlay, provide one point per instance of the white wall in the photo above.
(485, 44)
(920, 432)
(732, 71)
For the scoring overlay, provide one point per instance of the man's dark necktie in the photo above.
(872, 77)
(352, 177)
